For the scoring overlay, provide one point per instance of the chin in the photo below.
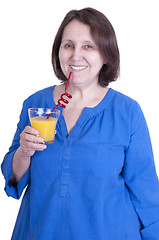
(77, 80)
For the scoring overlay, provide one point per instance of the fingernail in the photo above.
(43, 148)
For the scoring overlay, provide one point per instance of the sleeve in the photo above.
(6, 167)
(140, 176)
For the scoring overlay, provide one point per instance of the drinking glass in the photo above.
(39, 121)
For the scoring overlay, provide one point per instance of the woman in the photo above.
(97, 181)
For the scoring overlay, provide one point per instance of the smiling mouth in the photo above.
(78, 68)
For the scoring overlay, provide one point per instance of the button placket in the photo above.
(65, 170)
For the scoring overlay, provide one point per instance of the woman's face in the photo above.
(79, 54)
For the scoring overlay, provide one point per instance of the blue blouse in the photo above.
(97, 183)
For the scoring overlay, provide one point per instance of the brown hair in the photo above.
(104, 36)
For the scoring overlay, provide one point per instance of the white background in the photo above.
(27, 33)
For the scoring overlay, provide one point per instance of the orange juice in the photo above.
(46, 127)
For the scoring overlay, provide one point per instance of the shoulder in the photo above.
(40, 97)
(125, 107)
(121, 97)
(127, 112)
(123, 102)
(41, 93)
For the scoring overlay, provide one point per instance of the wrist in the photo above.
(26, 154)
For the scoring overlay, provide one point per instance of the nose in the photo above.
(77, 54)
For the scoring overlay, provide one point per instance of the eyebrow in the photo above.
(66, 40)
(85, 41)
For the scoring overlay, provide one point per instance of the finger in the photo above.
(31, 130)
(32, 138)
(36, 146)
(31, 134)
(30, 141)
(32, 146)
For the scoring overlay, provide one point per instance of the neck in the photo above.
(83, 91)
(88, 96)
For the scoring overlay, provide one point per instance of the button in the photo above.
(65, 169)
(64, 179)
(63, 191)
(65, 164)
(66, 153)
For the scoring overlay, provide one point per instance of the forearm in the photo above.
(21, 163)
(29, 143)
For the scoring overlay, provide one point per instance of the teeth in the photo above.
(77, 68)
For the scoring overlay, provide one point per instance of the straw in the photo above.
(62, 99)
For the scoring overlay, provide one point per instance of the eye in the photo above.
(67, 45)
(88, 46)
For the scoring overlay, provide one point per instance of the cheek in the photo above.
(63, 56)
(96, 59)
(100, 62)
(60, 55)
(97, 63)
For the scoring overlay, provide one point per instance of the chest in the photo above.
(93, 153)
(71, 116)
(90, 152)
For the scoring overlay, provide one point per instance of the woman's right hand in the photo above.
(30, 141)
